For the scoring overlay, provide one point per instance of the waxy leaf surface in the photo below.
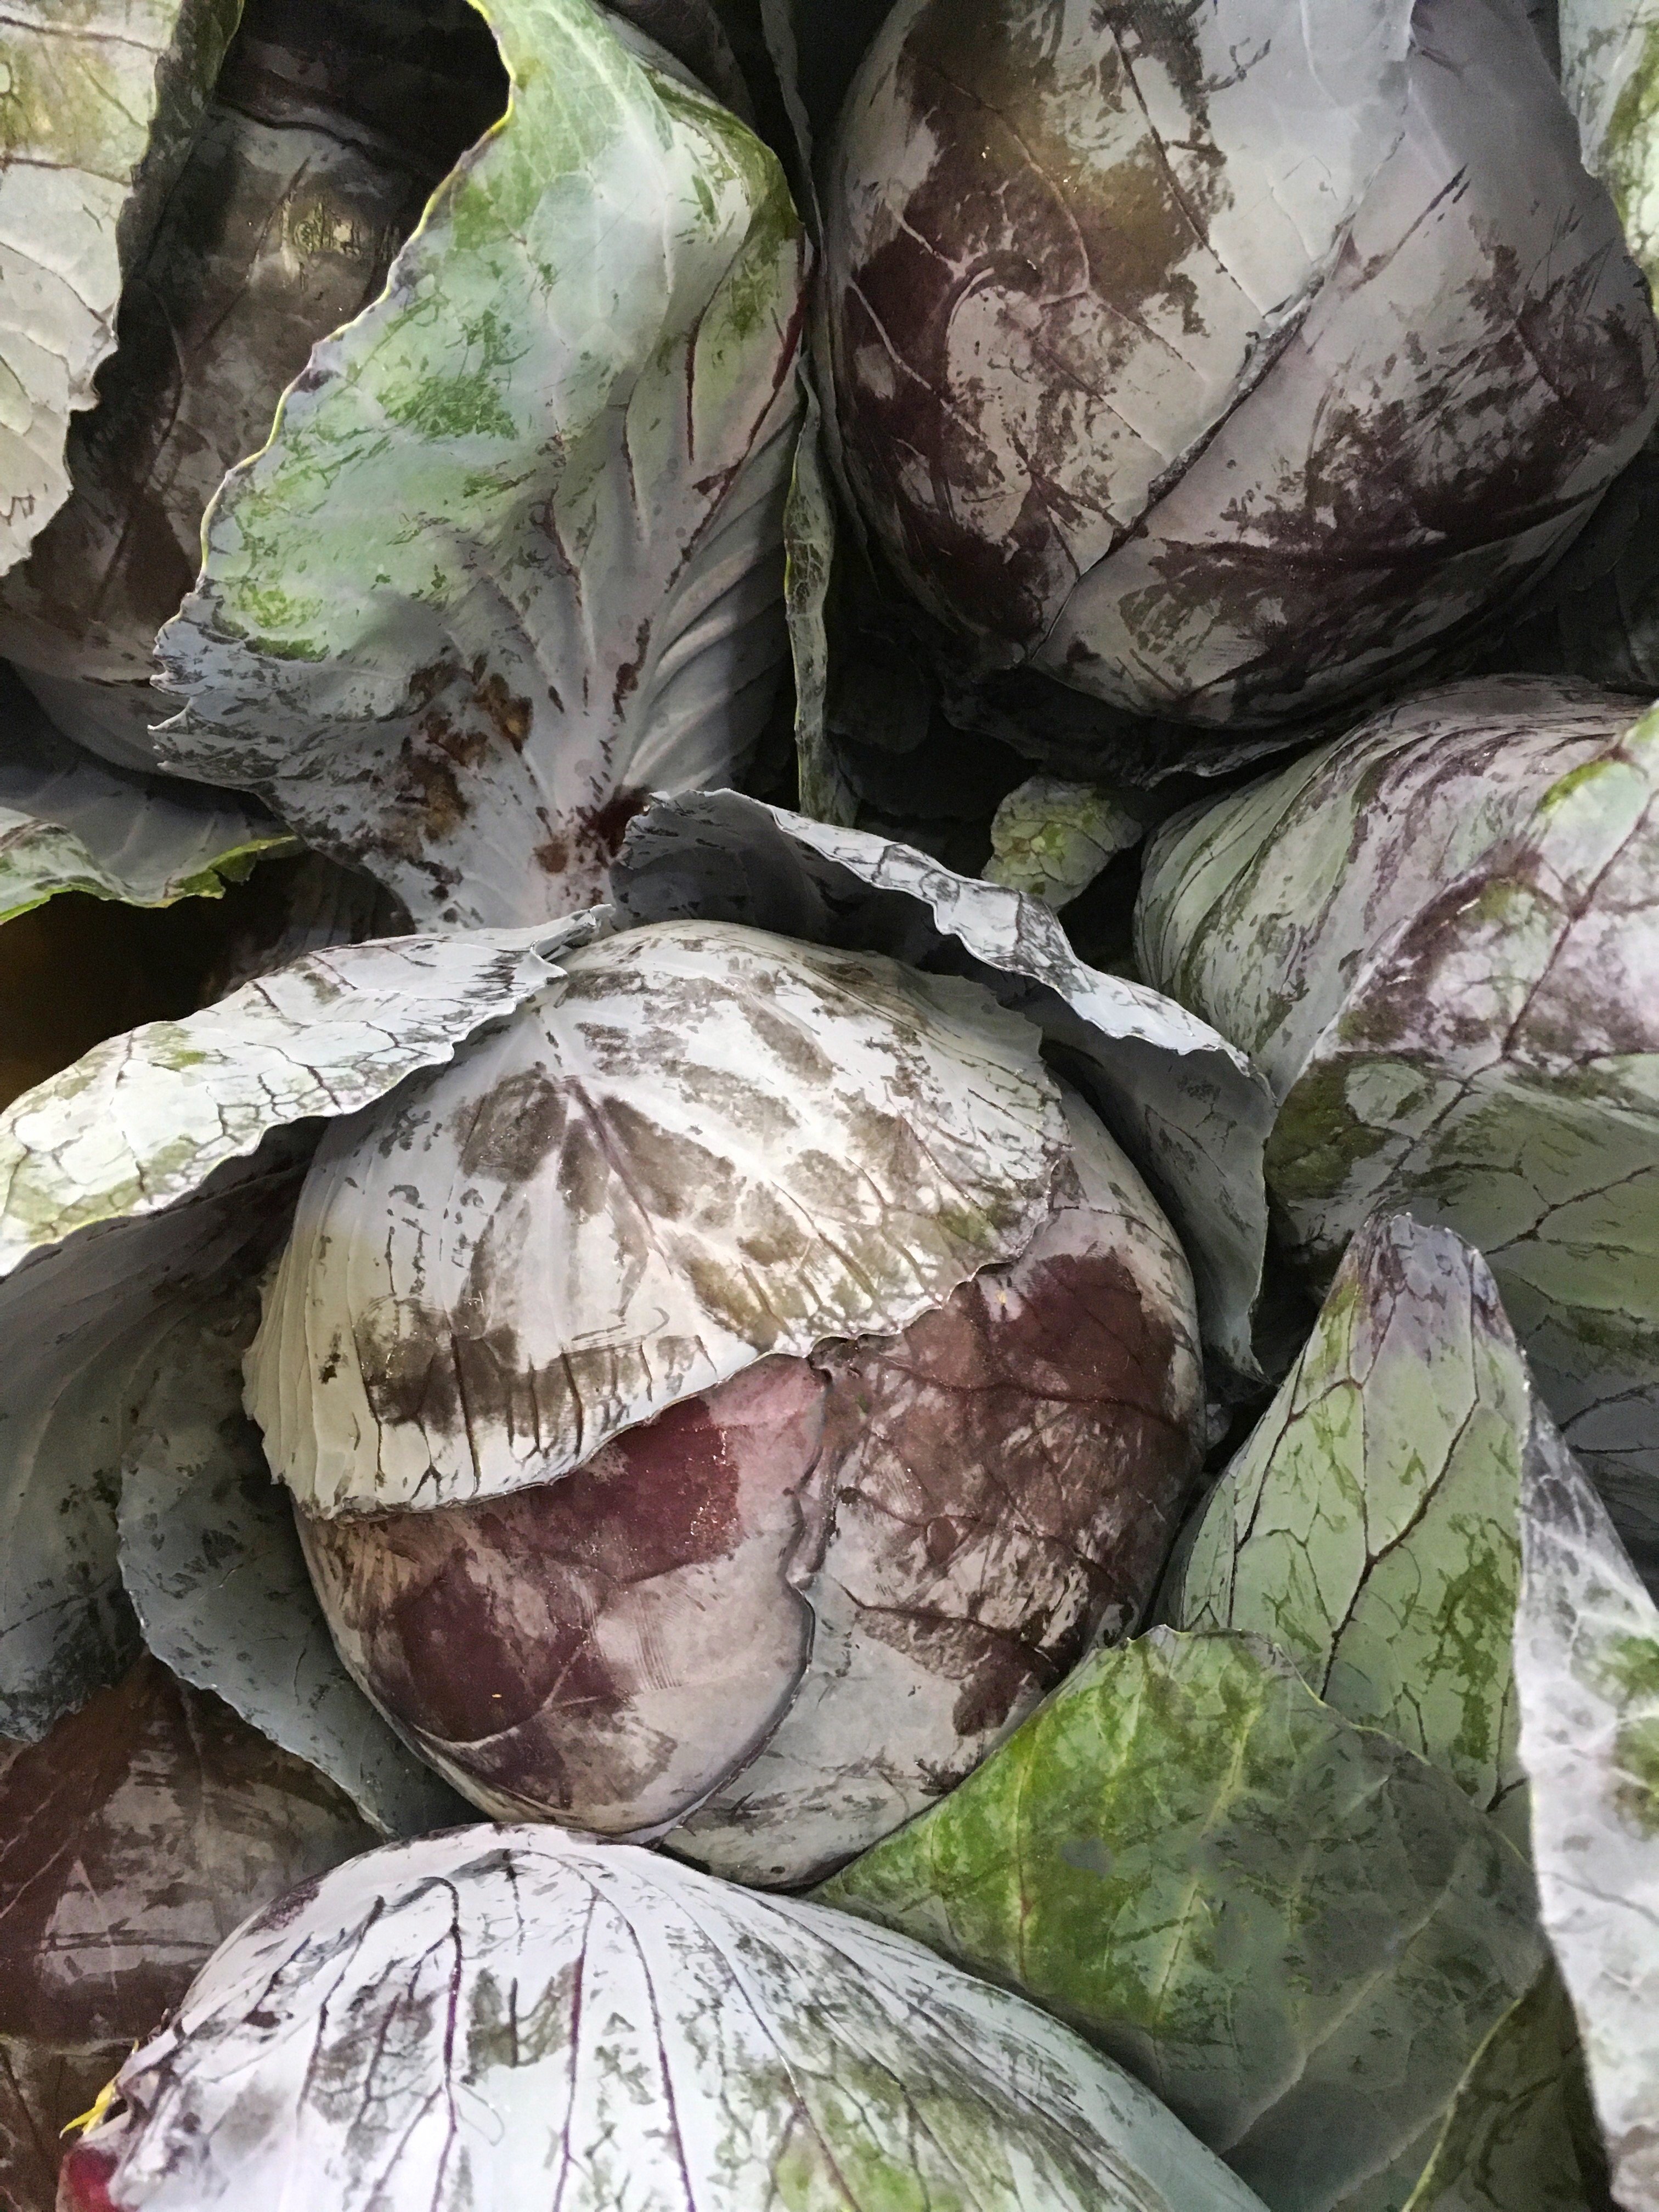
(1371, 1526)
(513, 557)
(507, 2015)
(1293, 1930)
(1587, 1672)
(1185, 1105)
(701, 1146)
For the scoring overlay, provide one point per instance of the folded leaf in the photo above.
(100, 101)
(1371, 1526)
(501, 2017)
(1610, 74)
(1293, 1930)
(1587, 1673)
(131, 1843)
(68, 823)
(1185, 1106)
(513, 557)
(211, 1561)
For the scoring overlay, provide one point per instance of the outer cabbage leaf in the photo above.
(1450, 989)
(1185, 1106)
(99, 104)
(1521, 2135)
(131, 1843)
(1259, 909)
(1371, 1526)
(718, 1146)
(1610, 74)
(132, 1188)
(513, 556)
(1013, 386)
(69, 823)
(1587, 1670)
(211, 1561)
(510, 2016)
(1295, 1931)
(1376, 496)
(1496, 1067)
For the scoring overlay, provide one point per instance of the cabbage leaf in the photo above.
(100, 101)
(133, 1187)
(505, 2016)
(1187, 1106)
(1436, 938)
(1370, 1526)
(513, 557)
(1586, 1671)
(1293, 1930)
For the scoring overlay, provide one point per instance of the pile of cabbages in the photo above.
(829, 1106)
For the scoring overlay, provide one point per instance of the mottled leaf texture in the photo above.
(1587, 1672)
(502, 2018)
(1294, 1931)
(704, 1144)
(132, 1842)
(131, 1188)
(1371, 1526)
(514, 555)
(1052, 838)
(985, 159)
(100, 98)
(1521, 2135)
(1217, 362)
(1185, 1106)
(211, 1561)
(1610, 74)
(1451, 988)
(69, 823)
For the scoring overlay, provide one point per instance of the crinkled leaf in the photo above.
(99, 104)
(1185, 1106)
(131, 1186)
(719, 1145)
(1295, 1931)
(557, 450)
(68, 823)
(1521, 2135)
(1052, 839)
(1610, 74)
(131, 1843)
(1587, 1673)
(211, 1560)
(1371, 1526)
(513, 2016)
